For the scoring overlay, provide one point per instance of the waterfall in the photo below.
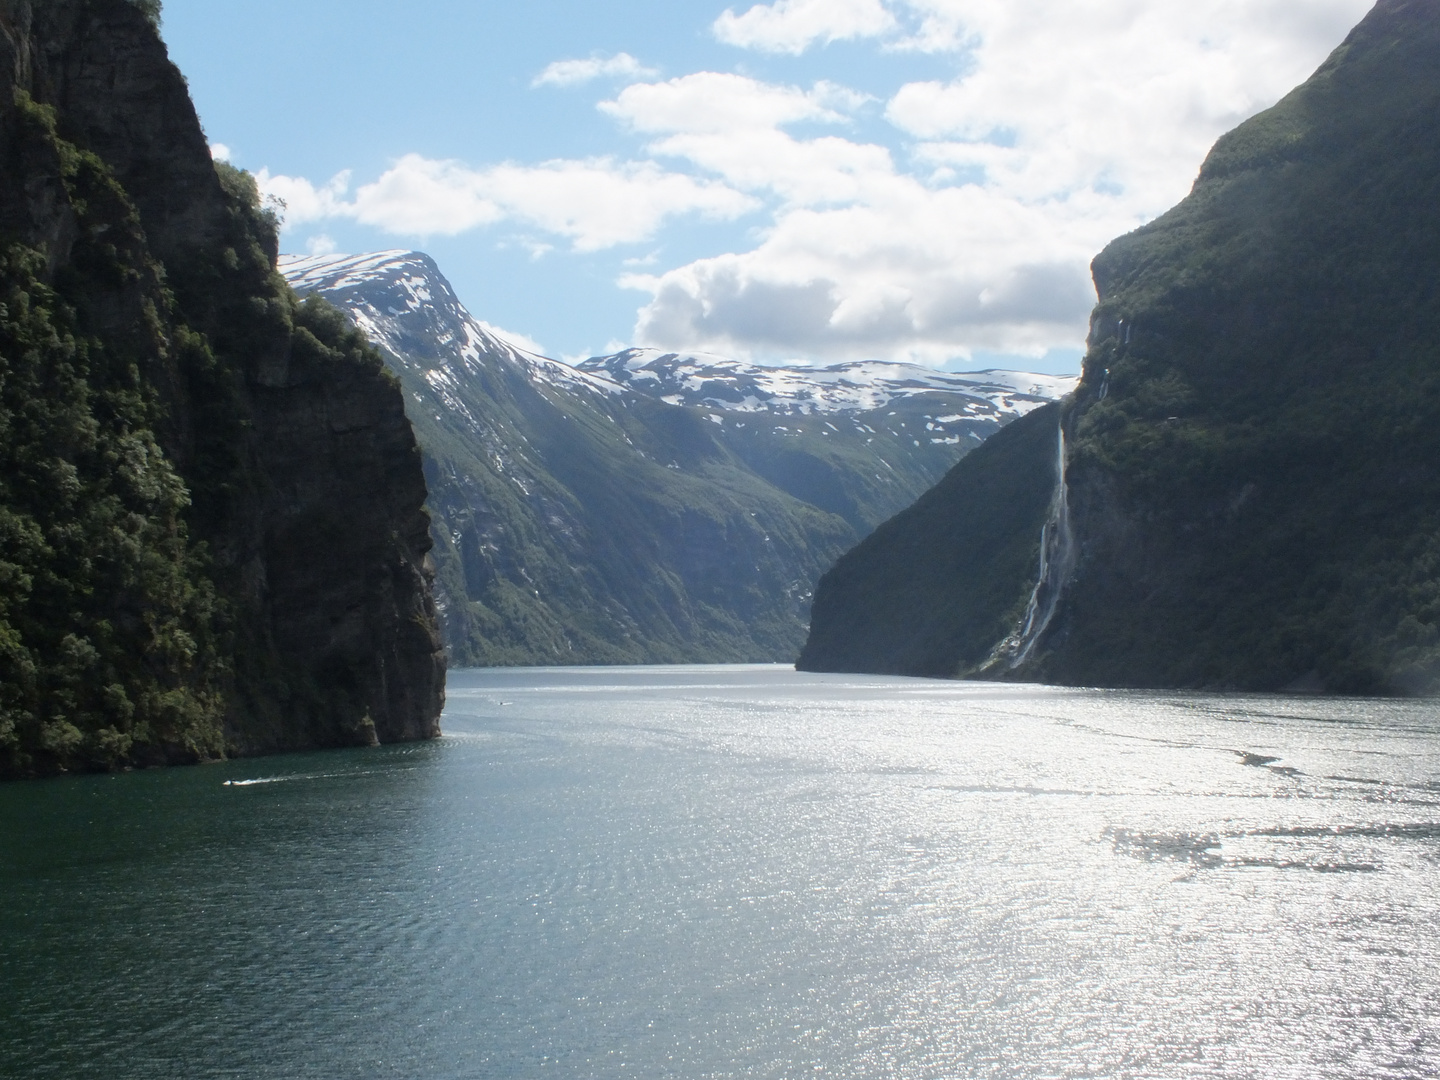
(1057, 562)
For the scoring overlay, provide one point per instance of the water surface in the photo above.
(748, 872)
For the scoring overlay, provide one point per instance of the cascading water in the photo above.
(1057, 562)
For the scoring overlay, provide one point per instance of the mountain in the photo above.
(716, 382)
(1249, 471)
(212, 535)
(860, 440)
(645, 507)
(933, 590)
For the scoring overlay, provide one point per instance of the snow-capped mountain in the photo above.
(718, 382)
(646, 507)
(404, 304)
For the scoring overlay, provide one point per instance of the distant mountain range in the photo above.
(647, 506)
(704, 380)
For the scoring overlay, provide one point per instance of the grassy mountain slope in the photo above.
(578, 529)
(1254, 469)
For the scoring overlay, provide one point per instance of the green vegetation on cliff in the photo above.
(153, 367)
(1258, 489)
(1253, 475)
(107, 628)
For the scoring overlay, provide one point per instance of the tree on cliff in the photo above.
(150, 9)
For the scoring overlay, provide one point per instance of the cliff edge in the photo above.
(212, 534)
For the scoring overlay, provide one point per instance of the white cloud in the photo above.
(575, 72)
(966, 224)
(908, 274)
(419, 196)
(321, 245)
(1061, 97)
(730, 125)
(718, 103)
(594, 203)
(792, 26)
(859, 259)
(300, 201)
(599, 203)
(511, 337)
(1072, 124)
(219, 152)
(1303, 25)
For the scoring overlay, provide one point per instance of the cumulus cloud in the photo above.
(595, 203)
(301, 202)
(792, 26)
(574, 72)
(601, 203)
(913, 274)
(965, 221)
(1071, 124)
(731, 125)
(712, 102)
(952, 25)
(219, 152)
(518, 340)
(1117, 96)
(861, 258)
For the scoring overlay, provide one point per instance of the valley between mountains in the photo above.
(647, 507)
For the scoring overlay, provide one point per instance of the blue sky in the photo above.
(814, 180)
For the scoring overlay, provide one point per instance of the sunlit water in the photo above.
(745, 872)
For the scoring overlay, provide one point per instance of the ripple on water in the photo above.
(725, 872)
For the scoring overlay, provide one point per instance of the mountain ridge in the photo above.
(581, 517)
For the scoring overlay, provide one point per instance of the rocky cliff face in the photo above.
(211, 520)
(1251, 485)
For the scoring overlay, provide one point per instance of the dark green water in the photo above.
(707, 872)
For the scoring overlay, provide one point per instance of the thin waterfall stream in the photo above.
(1057, 563)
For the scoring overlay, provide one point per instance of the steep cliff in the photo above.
(931, 591)
(212, 538)
(1252, 483)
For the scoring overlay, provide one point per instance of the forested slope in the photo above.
(211, 529)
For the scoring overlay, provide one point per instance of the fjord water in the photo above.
(749, 872)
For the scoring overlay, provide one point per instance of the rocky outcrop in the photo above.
(279, 583)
